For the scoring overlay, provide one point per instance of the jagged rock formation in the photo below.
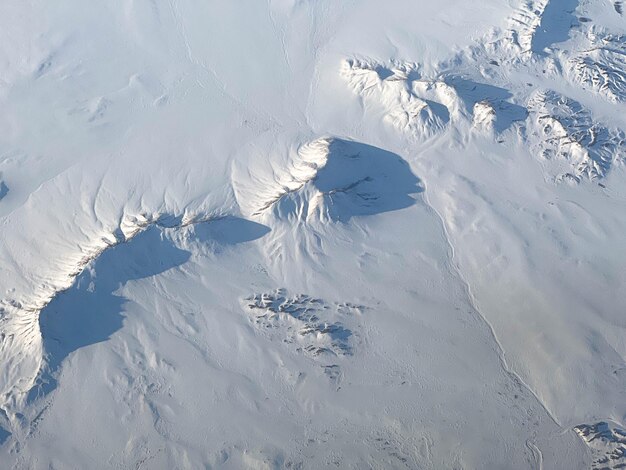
(331, 179)
(568, 138)
(312, 325)
(602, 67)
(607, 443)
(525, 22)
(418, 107)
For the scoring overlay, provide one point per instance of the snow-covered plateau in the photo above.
(307, 234)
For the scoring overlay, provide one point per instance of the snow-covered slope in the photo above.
(312, 234)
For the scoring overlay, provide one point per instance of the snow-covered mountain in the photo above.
(312, 234)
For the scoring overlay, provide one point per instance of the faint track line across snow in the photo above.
(476, 310)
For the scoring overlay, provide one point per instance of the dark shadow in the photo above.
(472, 92)
(4, 435)
(4, 190)
(508, 113)
(336, 331)
(229, 231)
(359, 179)
(439, 110)
(383, 72)
(90, 312)
(557, 20)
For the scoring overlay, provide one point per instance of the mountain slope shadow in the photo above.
(472, 92)
(90, 312)
(4, 435)
(229, 231)
(360, 179)
(4, 189)
(556, 21)
(350, 179)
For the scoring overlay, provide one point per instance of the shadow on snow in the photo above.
(358, 180)
(90, 311)
(472, 92)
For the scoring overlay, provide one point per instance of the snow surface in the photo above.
(312, 234)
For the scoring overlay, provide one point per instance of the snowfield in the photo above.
(314, 234)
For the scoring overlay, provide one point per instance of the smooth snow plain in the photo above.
(312, 234)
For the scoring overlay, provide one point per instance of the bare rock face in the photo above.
(607, 443)
(602, 67)
(568, 139)
(325, 332)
